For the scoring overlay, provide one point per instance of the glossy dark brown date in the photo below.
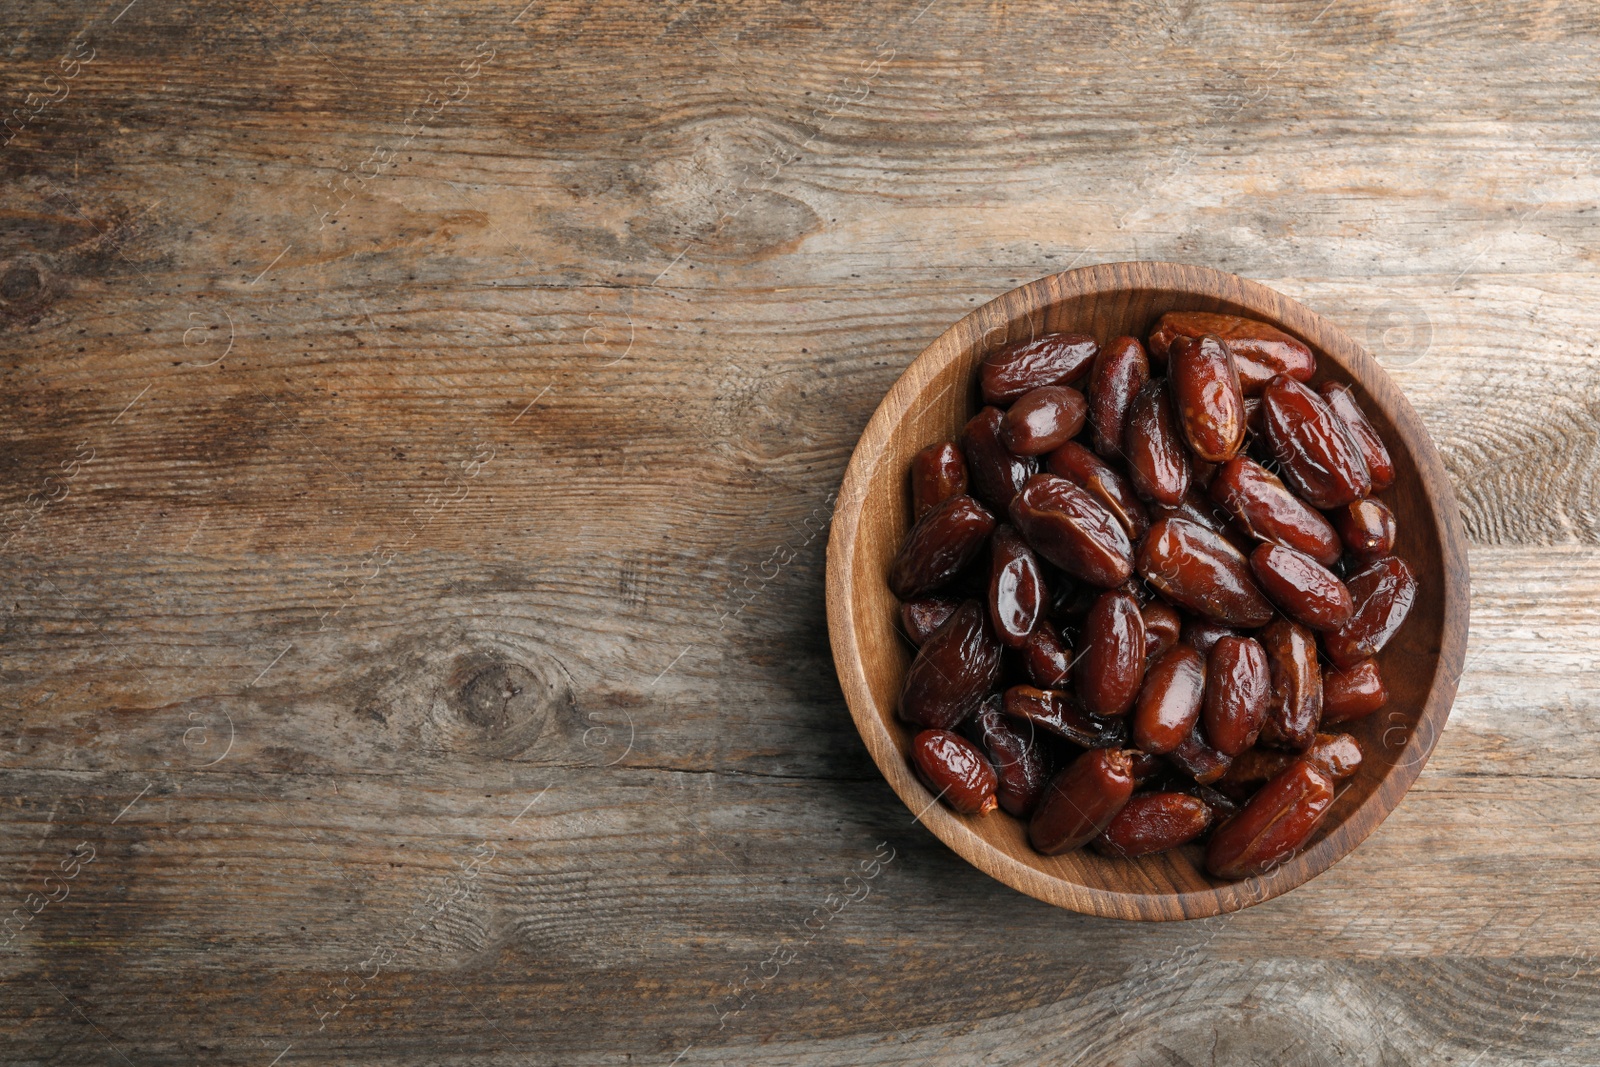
(1196, 758)
(1162, 628)
(1383, 595)
(952, 767)
(1081, 801)
(939, 545)
(1202, 635)
(1260, 351)
(1197, 569)
(1353, 693)
(1168, 704)
(1016, 587)
(1238, 692)
(1111, 655)
(1367, 529)
(1053, 359)
(1342, 399)
(1119, 374)
(1043, 419)
(1197, 509)
(1046, 657)
(1089, 472)
(952, 670)
(1312, 446)
(1158, 461)
(920, 618)
(1206, 397)
(1019, 768)
(1273, 825)
(1153, 822)
(1296, 705)
(1055, 711)
(1265, 508)
(995, 473)
(938, 472)
(1070, 528)
(1308, 592)
(1336, 755)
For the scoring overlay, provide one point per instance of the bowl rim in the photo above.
(1029, 300)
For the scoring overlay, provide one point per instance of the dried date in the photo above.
(952, 767)
(1053, 359)
(1383, 594)
(1206, 397)
(938, 472)
(1197, 569)
(1016, 587)
(1081, 801)
(952, 670)
(942, 542)
(1153, 822)
(1070, 528)
(1043, 419)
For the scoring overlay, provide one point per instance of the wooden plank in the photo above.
(514, 478)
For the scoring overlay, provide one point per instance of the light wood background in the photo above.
(418, 433)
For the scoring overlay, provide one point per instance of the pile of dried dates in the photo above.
(1142, 586)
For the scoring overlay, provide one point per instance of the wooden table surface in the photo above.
(420, 428)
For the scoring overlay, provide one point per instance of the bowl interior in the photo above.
(930, 404)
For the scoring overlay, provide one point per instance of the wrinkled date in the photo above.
(952, 767)
(1296, 704)
(1343, 402)
(1054, 711)
(1261, 352)
(1111, 656)
(939, 545)
(937, 473)
(1353, 693)
(1088, 471)
(1019, 768)
(1119, 374)
(1336, 755)
(1043, 419)
(953, 670)
(1205, 391)
(1238, 693)
(1307, 591)
(1273, 825)
(995, 473)
(1265, 508)
(1157, 461)
(1312, 445)
(1144, 588)
(1054, 359)
(1073, 530)
(1383, 594)
(1154, 822)
(1081, 801)
(1199, 570)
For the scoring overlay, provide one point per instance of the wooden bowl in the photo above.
(932, 401)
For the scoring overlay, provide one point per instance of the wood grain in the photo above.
(643, 546)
